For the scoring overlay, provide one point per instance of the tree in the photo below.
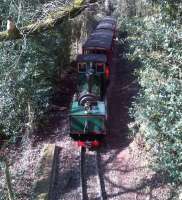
(155, 43)
(48, 22)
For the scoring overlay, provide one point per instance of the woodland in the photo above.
(35, 55)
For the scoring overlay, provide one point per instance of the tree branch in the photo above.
(48, 22)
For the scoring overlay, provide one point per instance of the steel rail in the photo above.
(99, 172)
(83, 174)
(103, 194)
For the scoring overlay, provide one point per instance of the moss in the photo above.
(4, 35)
(49, 22)
(44, 173)
(78, 3)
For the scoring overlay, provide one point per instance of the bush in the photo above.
(30, 69)
(158, 108)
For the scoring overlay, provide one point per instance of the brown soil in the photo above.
(24, 157)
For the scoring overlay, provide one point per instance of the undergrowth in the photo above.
(157, 110)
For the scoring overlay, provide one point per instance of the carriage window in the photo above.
(82, 67)
(94, 67)
(100, 68)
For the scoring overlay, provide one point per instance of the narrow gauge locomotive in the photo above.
(88, 112)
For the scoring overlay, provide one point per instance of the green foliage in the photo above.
(29, 70)
(23, 12)
(158, 108)
(170, 8)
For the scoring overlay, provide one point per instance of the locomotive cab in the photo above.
(97, 68)
(94, 65)
(95, 62)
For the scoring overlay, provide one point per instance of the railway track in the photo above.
(98, 172)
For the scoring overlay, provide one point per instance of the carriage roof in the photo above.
(109, 18)
(102, 34)
(92, 58)
(93, 43)
(106, 25)
(99, 39)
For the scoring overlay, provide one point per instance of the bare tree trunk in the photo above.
(108, 7)
(8, 181)
(30, 118)
(131, 8)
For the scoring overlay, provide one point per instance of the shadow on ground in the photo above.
(57, 113)
(137, 182)
(122, 89)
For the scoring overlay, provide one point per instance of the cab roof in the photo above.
(92, 58)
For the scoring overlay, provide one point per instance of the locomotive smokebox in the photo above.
(88, 126)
